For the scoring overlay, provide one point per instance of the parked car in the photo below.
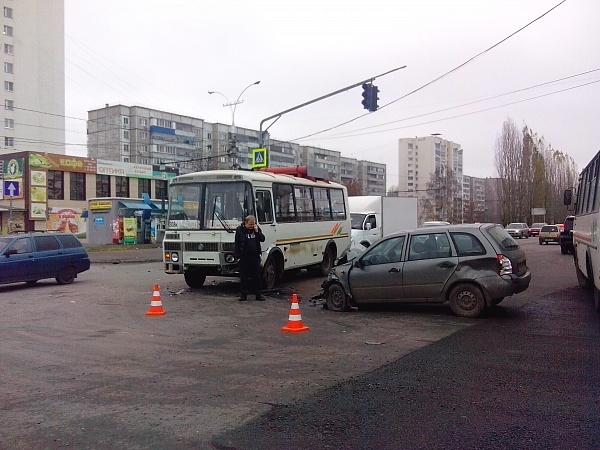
(566, 236)
(32, 257)
(471, 266)
(517, 229)
(549, 233)
(534, 229)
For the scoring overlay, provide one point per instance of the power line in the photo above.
(438, 78)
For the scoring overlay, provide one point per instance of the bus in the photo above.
(586, 231)
(305, 219)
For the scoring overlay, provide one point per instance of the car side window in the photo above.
(385, 252)
(46, 243)
(427, 246)
(21, 246)
(467, 245)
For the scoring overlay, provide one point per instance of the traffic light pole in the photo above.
(278, 115)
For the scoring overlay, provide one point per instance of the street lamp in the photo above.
(233, 105)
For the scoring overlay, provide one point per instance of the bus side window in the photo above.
(264, 207)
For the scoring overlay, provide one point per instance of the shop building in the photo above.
(50, 192)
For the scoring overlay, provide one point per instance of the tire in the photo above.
(269, 273)
(466, 300)
(581, 279)
(327, 263)
(336, 298)
(597, 299)
(66, 275)
(194, 278)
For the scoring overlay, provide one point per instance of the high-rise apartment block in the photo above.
(33, 76)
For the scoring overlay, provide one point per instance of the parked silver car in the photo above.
(471, 266)
(518, 230)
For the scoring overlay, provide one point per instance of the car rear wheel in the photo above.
(66, 275)
(466, 300)
(194, 278)
(337, 300)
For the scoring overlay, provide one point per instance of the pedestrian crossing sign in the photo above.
(260, 158)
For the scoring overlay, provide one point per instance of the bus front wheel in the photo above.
(269, 273)
(194, 278)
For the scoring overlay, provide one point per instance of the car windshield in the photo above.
(502, 238)
(537, 225)
(515, 225)
(4, 242)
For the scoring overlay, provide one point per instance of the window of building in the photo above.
(78, 186)
(8, 12)
(8, 30)
(143, 135)
(122, 186)
(160, 186)
(9, 123)
(143, 121)
(143, 187)
(143, 149)
(125, 134)
(9, 49)
(8, 86)
(9, 105)
(126, 148)
(144, 161)
(102, 186)
(125, 159)
(125, 120)
(55, 185)
(9, 141)
(8, 67)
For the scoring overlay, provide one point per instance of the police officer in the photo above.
(247, 250)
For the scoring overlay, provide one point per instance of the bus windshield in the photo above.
(209, 206)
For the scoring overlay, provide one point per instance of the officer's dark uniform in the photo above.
(247, 249)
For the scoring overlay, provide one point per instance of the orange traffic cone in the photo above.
(295, 324)
(156, 308)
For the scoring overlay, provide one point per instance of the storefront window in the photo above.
(122, 186)
(143, 187)
(55, 185)
(78, 186)
(102, 185)
(161, 189)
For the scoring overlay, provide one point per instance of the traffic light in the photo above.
(366, 96)
(370, 97)
(374, 98)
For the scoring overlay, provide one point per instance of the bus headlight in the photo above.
(174, 257)
(229, 258)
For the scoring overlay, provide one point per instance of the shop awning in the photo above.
(136, 206)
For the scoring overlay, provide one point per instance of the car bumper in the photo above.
(506, 285)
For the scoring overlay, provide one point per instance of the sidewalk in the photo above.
(116, 254)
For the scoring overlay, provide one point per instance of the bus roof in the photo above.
(246, 175)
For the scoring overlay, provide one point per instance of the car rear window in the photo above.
(549, 228)
(68, 241)
(501, 237)
(467, 245)
(46, 243)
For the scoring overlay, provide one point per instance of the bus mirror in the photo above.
(568, 197)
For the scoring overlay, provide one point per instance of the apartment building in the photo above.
(33, 76)
(431, 168)
(473, 199)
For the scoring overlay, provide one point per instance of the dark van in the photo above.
(32, 257)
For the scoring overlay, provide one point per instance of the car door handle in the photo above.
(447, 265)
(393, 269)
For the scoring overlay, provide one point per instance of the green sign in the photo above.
(260, 158)
(13, 169)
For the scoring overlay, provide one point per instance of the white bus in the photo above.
(586, 231)
(305, 220)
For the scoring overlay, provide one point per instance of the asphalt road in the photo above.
(83, 367)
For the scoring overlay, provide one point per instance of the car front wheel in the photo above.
(466, 300)
(337, 300)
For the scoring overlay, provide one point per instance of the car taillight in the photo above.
(505, 265)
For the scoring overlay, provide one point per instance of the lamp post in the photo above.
(232, 149)
(233, 105)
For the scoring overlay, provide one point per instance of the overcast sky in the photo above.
(167, 55)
